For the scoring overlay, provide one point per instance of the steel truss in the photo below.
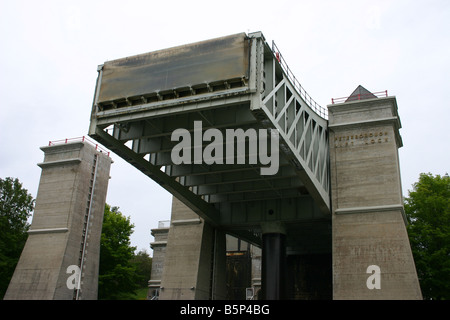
(233, 196)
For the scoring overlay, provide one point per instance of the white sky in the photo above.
(49, 52)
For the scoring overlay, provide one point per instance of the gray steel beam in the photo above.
(264, 97)
(172, 107)
(294, 210)
(206, 211)
(238, 177)
(237, 116)
(203, 209)
(251, 186)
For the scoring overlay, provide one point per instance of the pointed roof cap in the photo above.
(360, 93)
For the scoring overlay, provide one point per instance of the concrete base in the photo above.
(361, 240)
(194, 264)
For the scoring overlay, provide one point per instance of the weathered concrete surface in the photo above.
(56, 233)
(194, 264)
(159, 251)
(367, 203)
(181, 67)
(377, 238)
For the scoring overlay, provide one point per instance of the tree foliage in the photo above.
(428, 212)
(143, 264)
(117, 275)
(16, 205)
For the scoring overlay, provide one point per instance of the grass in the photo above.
(141, 294)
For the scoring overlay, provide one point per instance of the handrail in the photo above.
(164, 224)
(321, 111)
(359, 96)
(82, 139)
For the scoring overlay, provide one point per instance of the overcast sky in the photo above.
(49, 52)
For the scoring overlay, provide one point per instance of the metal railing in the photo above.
(321, 111)
(359, 96)
(164, 224)
(82, 139)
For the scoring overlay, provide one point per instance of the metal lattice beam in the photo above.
(137, 125)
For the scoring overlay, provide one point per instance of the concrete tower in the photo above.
(159, 252)
(64, 237)
(194, 262)
(372, 257)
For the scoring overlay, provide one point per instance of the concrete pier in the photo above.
(194, 263)
(65, 231)
(372, 257)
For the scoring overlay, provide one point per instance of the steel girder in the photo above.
(233, 196)
(304, 133)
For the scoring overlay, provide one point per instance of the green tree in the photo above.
(16, 205)
(428, 212)
(117, 275)
(143, 264)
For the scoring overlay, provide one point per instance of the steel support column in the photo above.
(274, 267)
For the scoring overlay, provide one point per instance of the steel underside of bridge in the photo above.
(226, 83)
